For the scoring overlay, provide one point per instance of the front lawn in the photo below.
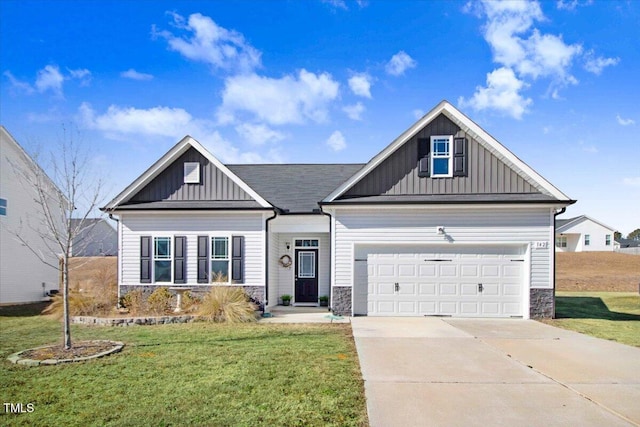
(192, 374)
(610, 315)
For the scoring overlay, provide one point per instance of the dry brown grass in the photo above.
(597, 271)
(87, 272)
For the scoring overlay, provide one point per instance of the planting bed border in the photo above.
(18, 359)
(133, 321)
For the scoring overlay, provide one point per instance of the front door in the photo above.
(306, 279)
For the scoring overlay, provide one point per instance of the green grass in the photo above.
(609, 315)
(195, 374)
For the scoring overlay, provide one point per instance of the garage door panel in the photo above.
(445, 281)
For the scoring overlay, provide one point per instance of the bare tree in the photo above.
(71, 190)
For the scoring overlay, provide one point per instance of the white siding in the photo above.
(463, 226)
(191, 225)
(22, 273)
(284, 282)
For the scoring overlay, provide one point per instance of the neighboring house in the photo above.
(443, 221)
(96, 238)
(583, 234)
(24, 277)
(627, 246)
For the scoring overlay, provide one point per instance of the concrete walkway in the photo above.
(508, 372)
(290, 314)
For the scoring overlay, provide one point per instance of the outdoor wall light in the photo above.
(288, 245)
(440, 229)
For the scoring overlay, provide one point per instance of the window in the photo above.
(441, 158)
(192, 173)
(3, 207)
(306, 265)
(607, 240)
(162, 259)
(307, 243)
(587, 240)
(220, 259)
(561, 242)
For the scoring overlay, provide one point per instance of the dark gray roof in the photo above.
(628, 243)
(193, 204)
(295, 187)
(561, 222)
(450, 198)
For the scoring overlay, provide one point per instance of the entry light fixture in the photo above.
(440, 229)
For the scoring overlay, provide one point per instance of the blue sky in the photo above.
(331, 81)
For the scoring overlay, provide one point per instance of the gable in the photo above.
(398, 174)
(581, 224)
(498, 174)
(170, 183)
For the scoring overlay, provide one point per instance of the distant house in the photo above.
(24, 277)
(583, 234)
(627, 246)
(96, 238)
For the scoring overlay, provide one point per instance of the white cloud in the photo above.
(336, 4)
(126, 123)
(632, 181)
(210, 43)
(50, 79)
(290, 99)
(399, 63)
(258, 134)
(625, 122)
(571, 4)
(354, 112)
(502, 94)
(135, 75)
(18, 84)
(596, 65)
(336, 141)
(360, 84)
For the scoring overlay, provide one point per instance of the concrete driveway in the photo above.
(508, 372)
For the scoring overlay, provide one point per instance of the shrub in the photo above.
(227, 304)
(190, 302)
(80, 304)
(133, 301)
(159, 302)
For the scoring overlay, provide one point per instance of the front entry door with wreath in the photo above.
(306, 275)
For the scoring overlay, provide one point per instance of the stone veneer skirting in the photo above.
(341, 303)
(256, 293)
(542, 304)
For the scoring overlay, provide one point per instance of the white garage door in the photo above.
(480, 281)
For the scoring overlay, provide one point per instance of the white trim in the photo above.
(468, 126)
(154, 259)
(192, 172)
(460, 206)
(171, 156)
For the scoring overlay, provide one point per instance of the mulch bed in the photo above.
(78, 350)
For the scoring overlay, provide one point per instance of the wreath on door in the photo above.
(285, 261)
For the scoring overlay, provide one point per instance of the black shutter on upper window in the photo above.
(424, 156)
(460, 157)
(237, 259)
(145, 259)
(179, 260)
(203, 259)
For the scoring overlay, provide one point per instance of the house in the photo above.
(443, 221)
(583, 234)
(627, 246)
(26, 270)
(96, 237)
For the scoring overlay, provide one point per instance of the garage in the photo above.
(456, 280)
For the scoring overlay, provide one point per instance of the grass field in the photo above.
(597, 272)
(610, 315)
(195, 374)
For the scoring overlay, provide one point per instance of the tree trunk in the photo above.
(66, 335)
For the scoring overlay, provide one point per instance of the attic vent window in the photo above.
(192, 173)
(441, 158)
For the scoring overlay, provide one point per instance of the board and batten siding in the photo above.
(494, 226)
(192, 225)
(169, 185)
(398, 174)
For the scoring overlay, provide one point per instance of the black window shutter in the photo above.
(179, 258)
(237, 259)
(145, 259)
(424, 148)
(203, 259)
(460, 158)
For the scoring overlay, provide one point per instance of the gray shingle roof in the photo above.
(193, 204)
(450, 198)
(295, 187)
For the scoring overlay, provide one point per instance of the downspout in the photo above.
(330, 257)
(266, 261)
(563, 210)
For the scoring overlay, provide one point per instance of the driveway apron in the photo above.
(508, 372)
